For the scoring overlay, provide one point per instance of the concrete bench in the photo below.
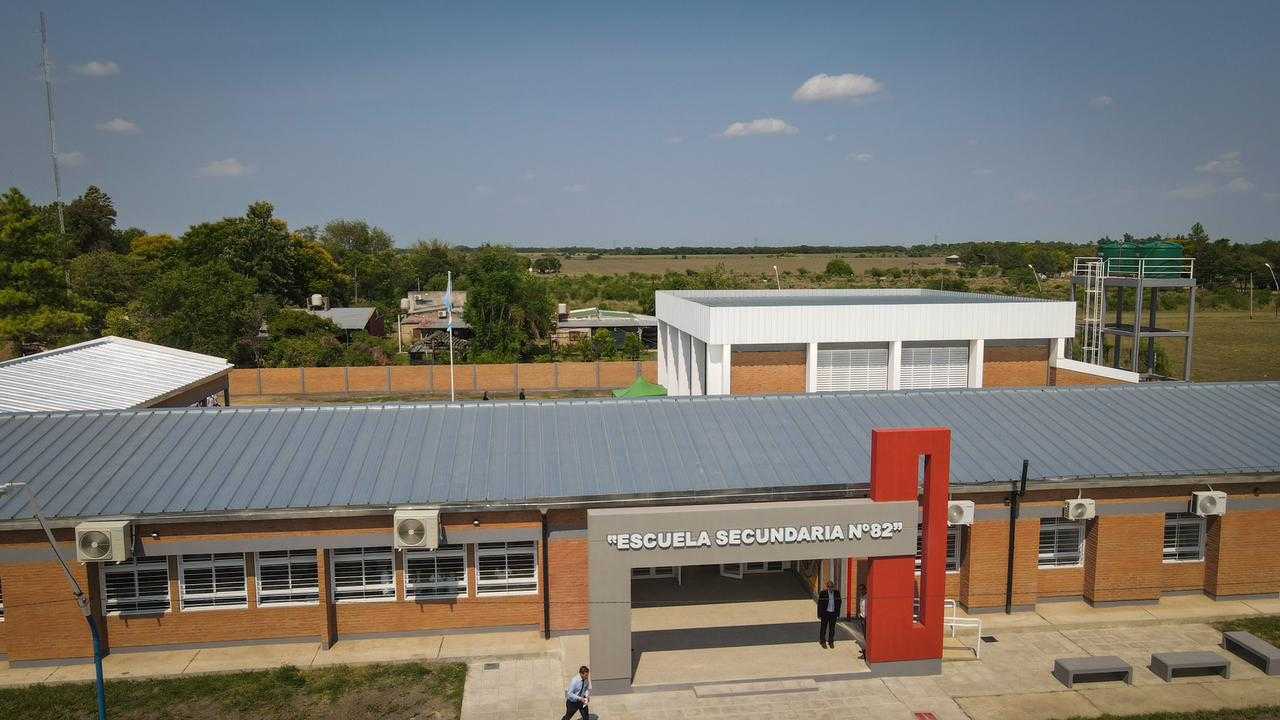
(1254, 649)
(1166, 664)
(1095, 667)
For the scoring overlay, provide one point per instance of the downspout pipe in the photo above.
(546, 578)
(1015, 500)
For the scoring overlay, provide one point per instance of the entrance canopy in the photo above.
(640, 388)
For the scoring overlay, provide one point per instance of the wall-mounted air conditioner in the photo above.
(104, 541)
(960, 512)
(1209, 502)
(1079, 509)
(417, 528)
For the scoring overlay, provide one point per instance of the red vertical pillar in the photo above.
(893, 634)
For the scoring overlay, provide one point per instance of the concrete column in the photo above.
(895, 365)
(682, 341)
(976, 351)
(697, 366)
(1058, 348)
(717, 369)
(1136, 351)
(662, 353)
(811, 368)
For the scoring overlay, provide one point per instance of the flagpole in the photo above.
(449, 310)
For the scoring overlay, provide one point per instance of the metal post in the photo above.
(546, 578)
(1015, 499)
(1191, 334)
(1119, 319)
(1151, 325)
(1137, 326)
(82, 600)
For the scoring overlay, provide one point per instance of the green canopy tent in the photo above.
(640, 388)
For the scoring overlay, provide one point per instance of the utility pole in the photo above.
(53, 140)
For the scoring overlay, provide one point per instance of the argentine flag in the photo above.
(448, 301)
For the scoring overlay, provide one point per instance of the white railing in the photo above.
(1156, 267)
(955, 623)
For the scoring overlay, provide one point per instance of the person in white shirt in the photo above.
(576, 697)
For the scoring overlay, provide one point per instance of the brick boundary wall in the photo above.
(434, 379)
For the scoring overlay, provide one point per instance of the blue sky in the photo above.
(610, 124)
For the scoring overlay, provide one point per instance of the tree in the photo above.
(547, 264)
(153, 247)
(602, 344)
(91, 223)
(633, 347)
(257, 246)
(103, 279)
(508, 309)
(35, 307)
(428, 263)
(838, 267)
(207, 309)
(365, 254)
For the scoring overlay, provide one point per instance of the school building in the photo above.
(206, 526)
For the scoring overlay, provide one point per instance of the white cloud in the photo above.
(1101, 102)
(760, 126)
(861, 157)
(1225, 164)
(982, 171)
(575, 188)
(230, 167)
(74, 158)
(1194, 192)
(1240, 185)
(120, 126)
(830, 138)
(825, 88)
(675, 139)
(97, 68)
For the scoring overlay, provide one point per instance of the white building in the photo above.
(719, 342)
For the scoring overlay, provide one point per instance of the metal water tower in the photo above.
(1148, 268)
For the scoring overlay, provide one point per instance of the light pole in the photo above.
(1035, 275)
(404, 309)
(82, 600)
(1274, 284)
(776, 278)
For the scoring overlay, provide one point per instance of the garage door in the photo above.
(935, 365)
(853, 367)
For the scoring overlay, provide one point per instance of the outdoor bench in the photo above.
(1094, 667)
(1168, 663)
(1254, 649)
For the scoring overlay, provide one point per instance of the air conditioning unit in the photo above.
(1079, 509)
(1209, 502)
(417, 528)
(960, 512)
(104, 541)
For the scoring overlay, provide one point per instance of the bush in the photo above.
(838, 267)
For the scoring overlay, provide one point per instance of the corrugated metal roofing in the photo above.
(855, 296)
(262, 458)
(105, 374)
(346, 318)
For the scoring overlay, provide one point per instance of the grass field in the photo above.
(758, 264)
(425, 691)
(1269, 712)
(1266, 627)
(1229, 345)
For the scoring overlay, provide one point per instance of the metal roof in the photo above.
(225, 460)
(347, 318)
(860, 296)
(108, 373)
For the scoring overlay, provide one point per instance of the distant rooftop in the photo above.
(346, 318)
(109, 373)
(812, 298)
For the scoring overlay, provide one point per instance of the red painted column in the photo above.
(893, 635)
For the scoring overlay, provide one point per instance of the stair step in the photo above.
(768, 687)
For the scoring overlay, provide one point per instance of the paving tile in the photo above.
(1124, 700)
(1028, 706)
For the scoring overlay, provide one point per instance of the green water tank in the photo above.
(1163, 259)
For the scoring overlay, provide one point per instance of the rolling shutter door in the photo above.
(935, 365)
(853, 367)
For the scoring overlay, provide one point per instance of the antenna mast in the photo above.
(53, 140)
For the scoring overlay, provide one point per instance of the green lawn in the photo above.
(421, 691)
(1266, 627)
(1267, 712)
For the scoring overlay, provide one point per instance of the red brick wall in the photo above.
(1059, 376)
(570, 609)
(1015, 365)
(1124, 558)
(1241, 556)
(767, 373)
(986, 570)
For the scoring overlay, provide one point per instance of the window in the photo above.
(213, 581)
(641, 573)
(1183, 537)
(955, 547)
(138, 586)
(363, 574)
(1, 602)
(766, 567)
(853, 367)
(934, 365)
(506, 568)
(288, 577)
(435, 573)
(1061, 543)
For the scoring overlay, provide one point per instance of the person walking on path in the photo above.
(828, 613)
(576, 697)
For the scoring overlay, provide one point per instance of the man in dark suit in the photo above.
(828, 613)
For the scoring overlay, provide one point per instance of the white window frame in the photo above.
(939, 365)
(1, 600)
(229, 598)
(132, 567)
(1060, 526)
(1178, 521)
(769, 566)
(505, 550)
(852, 366)
(435, 589)
(955, 548)
(652, 573)
(288, 560)
(366, 554)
